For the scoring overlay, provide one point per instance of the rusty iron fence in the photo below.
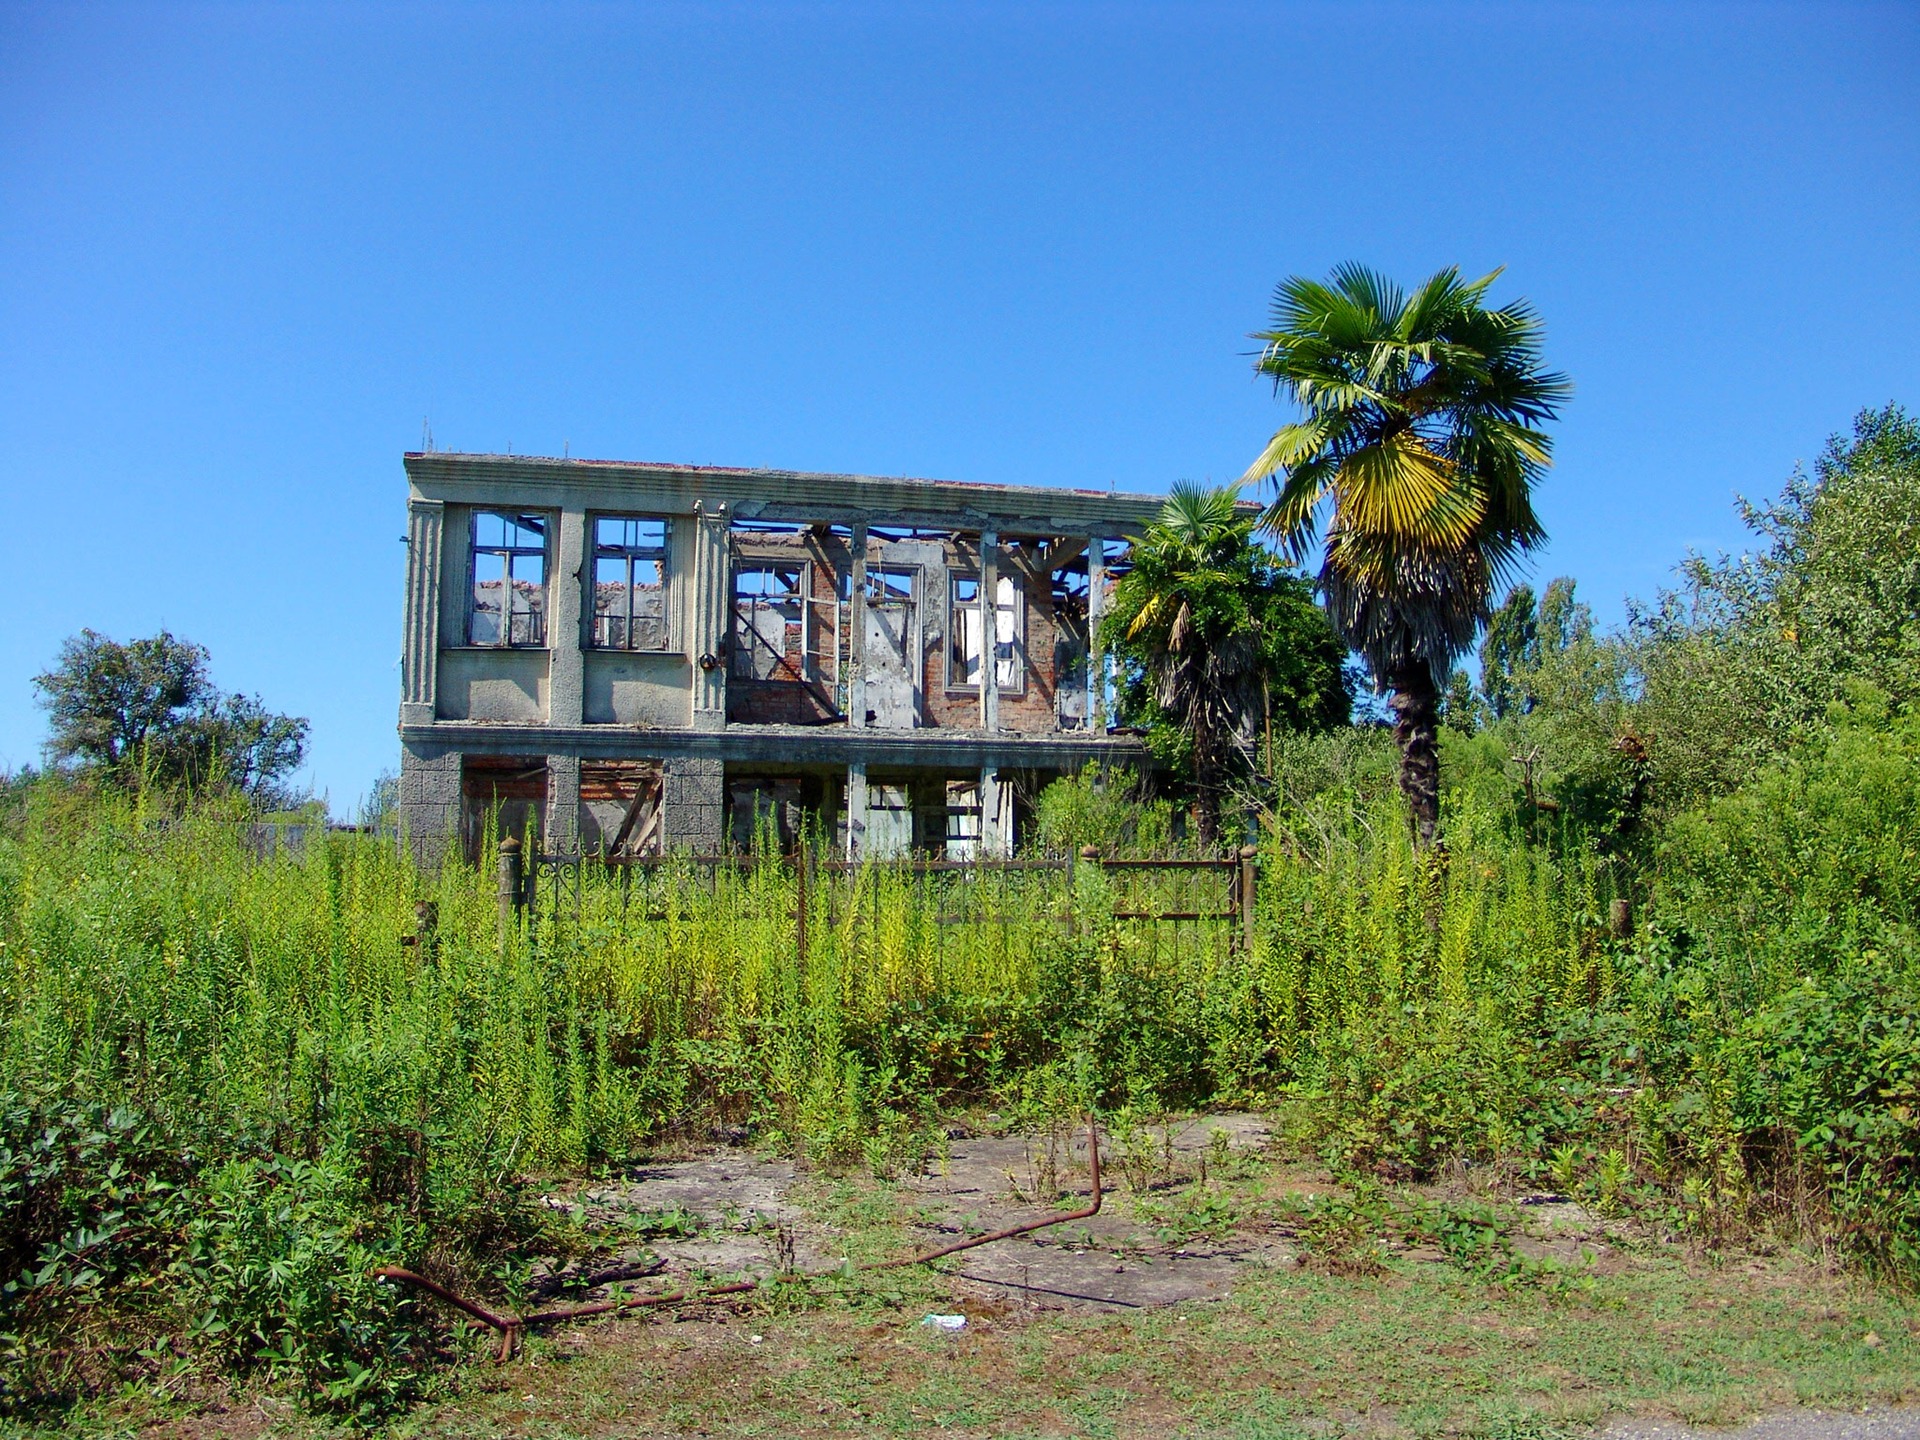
(1219, 892)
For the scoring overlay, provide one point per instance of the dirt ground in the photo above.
(752, 1225)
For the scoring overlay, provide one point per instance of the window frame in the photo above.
(799, 597)
(962, 686)
(661, 556)
(508, 553)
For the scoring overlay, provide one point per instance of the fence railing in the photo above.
(1211, 891)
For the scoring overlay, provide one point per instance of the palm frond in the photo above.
(1399, 487)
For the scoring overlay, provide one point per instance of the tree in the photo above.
(1511, 647)
(147, 713)
(1216, 641)
(1748, 655)
(1417, 452)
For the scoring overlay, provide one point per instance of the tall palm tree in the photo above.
(1417, 453)
(1186, 608)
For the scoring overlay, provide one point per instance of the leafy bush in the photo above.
(279, 1253)
(93, 1200)
(1832, 1070)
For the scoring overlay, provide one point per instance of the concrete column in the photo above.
(996, 816)
(429, 802)
(695, 800)
(856, 809)
(420, 652)
(989, 630)
(1096, 652)
(857, 636)
(566, 634)
(563, 802)
(708, 618)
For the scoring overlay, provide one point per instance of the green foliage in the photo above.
(278, 1255)
(1511, 646)
(1743, 659)
(1102, 807)
(1218, 644)
(146, 713)
(92, 1199)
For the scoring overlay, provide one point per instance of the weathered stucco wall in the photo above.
(503, 686)
(635, 688)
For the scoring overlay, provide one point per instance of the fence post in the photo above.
(1249, 887)
(800, 903)
(510, 892)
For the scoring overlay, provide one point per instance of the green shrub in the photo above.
(279, 1253)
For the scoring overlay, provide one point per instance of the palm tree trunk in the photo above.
(1206, 787)
(1416, 730)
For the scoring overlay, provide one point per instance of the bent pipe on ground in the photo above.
(511, 1327)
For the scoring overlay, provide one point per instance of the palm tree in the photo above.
(1417, 453)
(1184, 610)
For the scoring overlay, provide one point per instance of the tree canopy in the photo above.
(147, 713)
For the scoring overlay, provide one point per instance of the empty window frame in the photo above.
(889, 585)
(629, 583)
(769, 620)
(963, 625)
(508, 563)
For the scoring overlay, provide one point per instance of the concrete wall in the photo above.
(695, 793)
(429, 801)
(504, 686)
(633, 688)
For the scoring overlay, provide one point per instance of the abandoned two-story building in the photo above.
(631, 658)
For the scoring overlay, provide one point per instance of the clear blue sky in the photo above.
(246, 250)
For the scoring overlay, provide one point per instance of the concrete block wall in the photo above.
(563, 802)
(430, 802)
(695, 796)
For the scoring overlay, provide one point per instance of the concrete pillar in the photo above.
(989, 630)
(857, 634)
(856, 809)
(566, 634)
(563, 802)
(996, 816)
(1096, 652)
(420, 652)
(709, 616)
(695, 800)
(429, 802)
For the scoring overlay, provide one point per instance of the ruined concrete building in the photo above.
(629, 658)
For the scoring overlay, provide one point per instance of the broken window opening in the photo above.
(502, 796)
(1070, 625)
(887, 585)
(963, 625)
(629, 582)
(620, 811)
(508, 562)
(963, 820)
(769, 621)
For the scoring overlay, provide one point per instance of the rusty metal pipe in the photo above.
(478, 1312)
(634, 1302)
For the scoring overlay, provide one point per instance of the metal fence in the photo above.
(1213, 892)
